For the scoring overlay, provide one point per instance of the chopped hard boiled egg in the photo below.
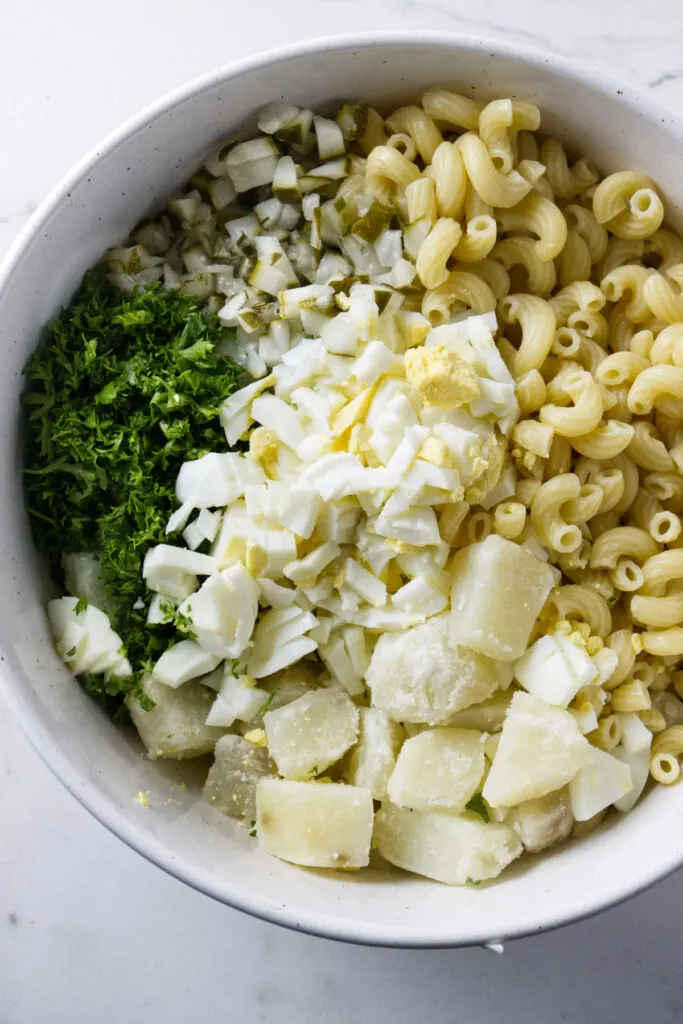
(238, 699)
(599, 783)
(222, 613)
(441, 377)
(184, 661)
(85, 639)
(554, 669)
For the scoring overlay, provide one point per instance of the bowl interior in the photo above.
(104, 766)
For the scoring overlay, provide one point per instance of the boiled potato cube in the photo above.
(543, 822)
(421, 675)
(317, 824)
(540, 750)
(487, 716)
(497, 593)
(372, 760)
(312, 732)
(175, 727)
(284, 687)
(231, 783)
(439, 768)
(450, 848)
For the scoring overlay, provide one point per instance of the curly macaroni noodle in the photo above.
(451, 109)
(520, 251)
(447, 171)
(546, 513)
(497, 120)
(416, 123)
(496, 189)
(584, 415)
(665, 245)
(541, 217)
(622, 542)
(436, 250)
(537, 321)
(574, 262)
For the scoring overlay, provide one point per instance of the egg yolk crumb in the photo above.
(433, 450)
(257, 737)
(442, 378)
(263, 448)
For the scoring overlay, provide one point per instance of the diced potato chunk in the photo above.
(441, 768)
(317, 824)
(372, 760)
(543, 822)
(312, 732)
(231, 783)
(285, 686)
(487, 716)
(540, 750)
(450, 848)
(175, 727)
(421, 675)
(497, 593)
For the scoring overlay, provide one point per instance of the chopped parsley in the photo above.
(81, 605)
(183, 623)
(167, 610)
(478, 805)
(253, 831)
(271, 698)
(124, 390)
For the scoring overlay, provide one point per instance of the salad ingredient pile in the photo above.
(350, 481)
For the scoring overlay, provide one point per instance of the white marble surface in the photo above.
(89, 932)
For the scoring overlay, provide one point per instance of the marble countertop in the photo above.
(89, 932)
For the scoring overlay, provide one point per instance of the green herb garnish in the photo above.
(81, 605)
(125, 389)
(183, 623)
(478, 805)
(266, 706)
(253, 831)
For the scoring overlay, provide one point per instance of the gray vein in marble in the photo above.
(668, 76)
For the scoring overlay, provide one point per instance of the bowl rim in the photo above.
(324, 925)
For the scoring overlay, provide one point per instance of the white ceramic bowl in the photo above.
(103, 766)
